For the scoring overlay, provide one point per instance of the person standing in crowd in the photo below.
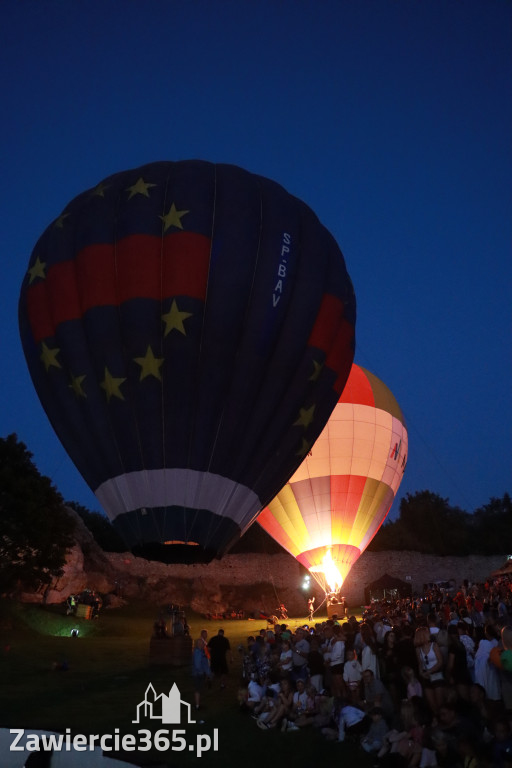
(430, 665)
(486, 674)
(200, 668)
(456, 670)
(316, 665)
(219, 647)
(335, 660)
(469, 645)
(300, 648)
(286, 659)
(413, 685)
(369, 658)
(352, 674)
(390, 671)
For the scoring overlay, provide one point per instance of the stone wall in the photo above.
(251, 582)
(417, 569)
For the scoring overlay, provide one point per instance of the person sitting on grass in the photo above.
(373, 741)
(281, 708)
(311, 707)
(299, 706)
(271, 689)
(375, 694)
(250, 693)
(408, 739)
(346, 721)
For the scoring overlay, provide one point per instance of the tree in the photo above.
(256, 539)
(101, 528)
(35, 530)
(493, 526)
(427, 524)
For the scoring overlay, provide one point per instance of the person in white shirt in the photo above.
(286, 658)
(334, 657)
(345, 717)
(352, 674)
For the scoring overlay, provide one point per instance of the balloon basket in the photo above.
(335, 610)
(84, 611)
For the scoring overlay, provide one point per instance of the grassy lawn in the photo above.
(107, 674)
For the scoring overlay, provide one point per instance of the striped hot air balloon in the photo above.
(188, 328)
(333, 505)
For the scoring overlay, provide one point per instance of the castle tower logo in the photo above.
(166, 708)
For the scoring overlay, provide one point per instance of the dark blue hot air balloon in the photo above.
(189, 328)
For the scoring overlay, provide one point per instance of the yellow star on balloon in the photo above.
(49, 357)
(76, 385)
(99, 190)
(59, 223)
(150, 365)
(317, 367)
(112, 385)
(304, 448)
(174, 319)
(140, 187)
(37, 270)
(305, 417)
(173, 218)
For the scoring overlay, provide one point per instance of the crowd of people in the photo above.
(87, 597)
(421, 681)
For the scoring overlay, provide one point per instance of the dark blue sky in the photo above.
(391, 119)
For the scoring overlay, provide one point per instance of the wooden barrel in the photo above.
(175, 651)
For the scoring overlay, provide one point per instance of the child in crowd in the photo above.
(413, 684)
(352, 673)
(374, 739)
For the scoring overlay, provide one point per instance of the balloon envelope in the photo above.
(188, 328)
(333, 505)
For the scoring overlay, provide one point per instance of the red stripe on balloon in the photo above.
(358, 389)
(346, 494)
(327, 323)
(139, 266)
(334, 335)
